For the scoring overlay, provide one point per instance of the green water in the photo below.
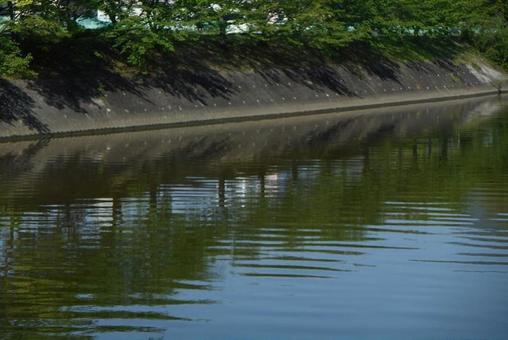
(385, 224)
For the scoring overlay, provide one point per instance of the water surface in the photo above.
(380, 224)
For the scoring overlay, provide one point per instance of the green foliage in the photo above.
(144, 31)
(39, 30)
(494, 45)
(134, 39)
(12, 63)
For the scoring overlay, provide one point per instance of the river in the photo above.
(373, 224)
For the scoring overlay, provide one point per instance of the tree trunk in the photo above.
(223, 25)
(11, 10)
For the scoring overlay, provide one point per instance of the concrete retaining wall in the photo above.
(63, 106)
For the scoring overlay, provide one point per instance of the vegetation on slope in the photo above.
(143, 33)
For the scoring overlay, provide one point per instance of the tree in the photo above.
(145, 30)
(12, 62)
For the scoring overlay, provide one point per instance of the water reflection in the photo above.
(293, 228)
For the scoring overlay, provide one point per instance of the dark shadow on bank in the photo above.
(83, 69)
(16, 105)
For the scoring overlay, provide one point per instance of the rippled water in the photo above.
(368, 225)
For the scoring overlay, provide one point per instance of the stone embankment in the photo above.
(71, 106)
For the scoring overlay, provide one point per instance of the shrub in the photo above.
(12, 63)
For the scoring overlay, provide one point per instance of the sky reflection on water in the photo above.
(374, 224)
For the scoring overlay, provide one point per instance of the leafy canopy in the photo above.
(140, 31)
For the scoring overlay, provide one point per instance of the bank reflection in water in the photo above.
(184, 231)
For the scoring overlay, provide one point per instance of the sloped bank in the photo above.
(103, 103)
